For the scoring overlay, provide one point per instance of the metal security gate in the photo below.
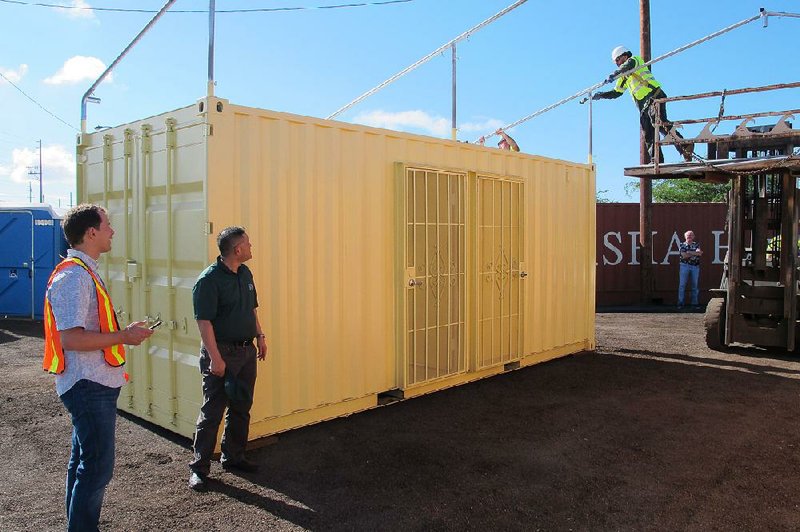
(435, 274)
(500, 210)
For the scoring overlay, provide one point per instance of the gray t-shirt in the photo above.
(74, 301)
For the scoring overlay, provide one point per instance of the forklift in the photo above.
(757, 301)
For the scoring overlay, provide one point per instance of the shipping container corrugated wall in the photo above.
(384, 261)
(619, 256)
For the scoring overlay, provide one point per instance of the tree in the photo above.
(601, 197)
(685, 191)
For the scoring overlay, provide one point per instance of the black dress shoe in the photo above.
(198, 482)
(244, 465)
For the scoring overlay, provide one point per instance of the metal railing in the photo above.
(781, 129)
(87, 96)
(763, 15)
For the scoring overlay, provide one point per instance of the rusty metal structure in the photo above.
(757, 302)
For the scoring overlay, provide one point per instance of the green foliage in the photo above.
(684, 191)
(632, 189)
(601, 198)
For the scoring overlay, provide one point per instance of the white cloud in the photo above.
(77, 69)
(487, 125)
(14, 76)
(80, 10)
(58, 165)
(420, 121)
(405, 121)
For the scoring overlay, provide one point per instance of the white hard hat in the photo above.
(618, 51)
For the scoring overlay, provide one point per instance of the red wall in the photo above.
(618, 253)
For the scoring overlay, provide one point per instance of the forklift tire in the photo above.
(715, 324)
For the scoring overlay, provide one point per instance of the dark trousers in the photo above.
(234, 391)
(647, 119)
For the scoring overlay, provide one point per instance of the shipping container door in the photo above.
(499, 305)
(151, 179)
(435, 262)
(16, 264)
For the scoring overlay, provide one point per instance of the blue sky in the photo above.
(313, 61)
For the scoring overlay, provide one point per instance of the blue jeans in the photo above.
(689, 272)
(93, 408)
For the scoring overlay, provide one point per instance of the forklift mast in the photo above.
(761, 295)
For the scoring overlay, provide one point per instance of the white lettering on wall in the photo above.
(718, 247)
(611, 247)
(673, 248)
(614, 249)
(634, 248)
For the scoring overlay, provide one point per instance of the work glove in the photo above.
(609, 79)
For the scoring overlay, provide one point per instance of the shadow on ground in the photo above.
(654, 431)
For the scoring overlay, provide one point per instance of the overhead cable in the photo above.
(43, 108)
(249, 10)
(762, 15)
(427, 58)
(87, 95)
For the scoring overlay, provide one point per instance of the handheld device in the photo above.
(155, 325)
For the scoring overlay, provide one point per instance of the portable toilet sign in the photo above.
(31, 244)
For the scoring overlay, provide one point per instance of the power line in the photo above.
(763, 15)
(252, 10)
(43, 108)
(7, 136)
(427, 58)
(9, 143)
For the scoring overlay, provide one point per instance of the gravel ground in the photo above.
(652, 431)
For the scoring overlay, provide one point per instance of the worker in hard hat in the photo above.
(642, 85)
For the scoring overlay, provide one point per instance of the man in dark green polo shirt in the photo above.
(225, 304)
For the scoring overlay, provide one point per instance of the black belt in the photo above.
(240, 343)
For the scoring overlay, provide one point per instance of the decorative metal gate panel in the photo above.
(435, 274)
(500, 210)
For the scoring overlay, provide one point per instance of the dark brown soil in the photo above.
(653, 431)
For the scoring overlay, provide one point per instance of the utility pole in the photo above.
(645, 185)
(38, 173)
(41, 193)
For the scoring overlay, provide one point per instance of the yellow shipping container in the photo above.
(386, 262)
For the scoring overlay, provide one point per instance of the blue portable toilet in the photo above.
(31, 245)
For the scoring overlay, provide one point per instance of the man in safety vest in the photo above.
(642, 85)
(84, 349)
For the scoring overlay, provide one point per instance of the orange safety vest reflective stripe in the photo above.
(53, 351)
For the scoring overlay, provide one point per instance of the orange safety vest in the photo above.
(53, 351)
